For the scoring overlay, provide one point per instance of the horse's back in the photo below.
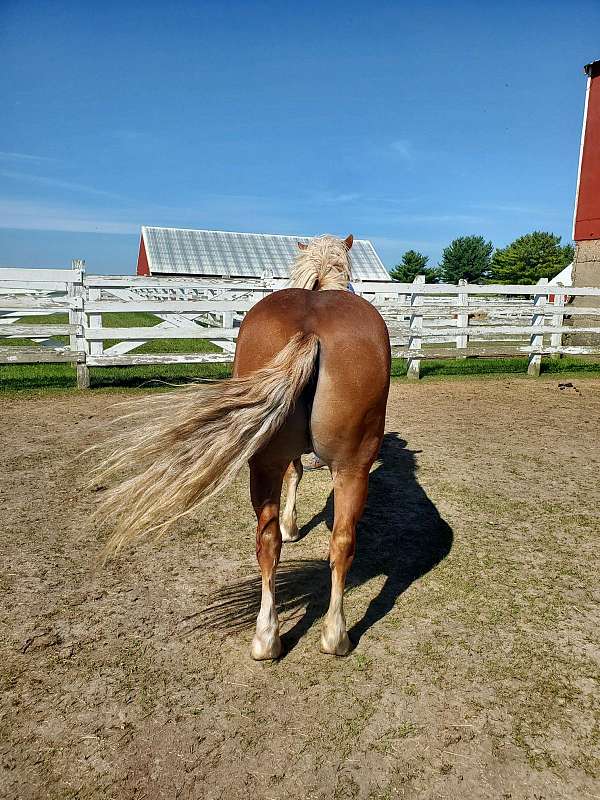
(351, 388)
(349, 328)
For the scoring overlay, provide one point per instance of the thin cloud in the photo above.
(391, 242)
(24, 215)
(25, 157)
(333, 198)
(454, 219)
(131, 136)
(224, 211)
(55, 183)
(389, 212)
(509, 208)
(403, 148)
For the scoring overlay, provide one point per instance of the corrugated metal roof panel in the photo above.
(178, 251)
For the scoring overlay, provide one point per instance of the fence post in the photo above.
(558, 320)
(96, 346)
(462, 318)
(415, 342)
(77, 317)
(537, 339)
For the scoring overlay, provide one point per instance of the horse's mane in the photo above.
(323, 264)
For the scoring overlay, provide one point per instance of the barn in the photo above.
(586, 222)
(178, 252)
(586, 227)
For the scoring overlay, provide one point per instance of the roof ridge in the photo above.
(240, 233)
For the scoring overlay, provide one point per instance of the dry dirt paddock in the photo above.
(472, 605)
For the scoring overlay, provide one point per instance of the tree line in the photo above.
(530, 257)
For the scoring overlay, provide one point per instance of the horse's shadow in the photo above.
(401, 536)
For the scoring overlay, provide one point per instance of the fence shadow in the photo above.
(401, 536)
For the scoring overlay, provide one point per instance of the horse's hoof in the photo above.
(341, 647)
(291, 534)
(265, 648)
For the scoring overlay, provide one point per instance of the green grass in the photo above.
(30, 377)
(19, 377)
(129, 319)
(498, 366)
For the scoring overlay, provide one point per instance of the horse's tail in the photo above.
(193, 442)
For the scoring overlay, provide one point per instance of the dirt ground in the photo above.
(472, 603)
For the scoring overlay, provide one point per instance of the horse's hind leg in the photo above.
(265, 489)
(350, 494)
(289, 518)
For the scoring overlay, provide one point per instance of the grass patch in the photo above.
(47, 377)
(142, 319)
(30, 377)
(466, 367)
(34, 377)
(128, 319)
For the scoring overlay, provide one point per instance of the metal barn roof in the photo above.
(178, 251)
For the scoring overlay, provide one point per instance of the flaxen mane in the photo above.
(322, 264)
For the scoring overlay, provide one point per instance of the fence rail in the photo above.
(424, 320)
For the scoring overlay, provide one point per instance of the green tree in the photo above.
(411, 265)
(531, 257)
(467, 257)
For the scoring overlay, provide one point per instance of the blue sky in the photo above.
(406, 123)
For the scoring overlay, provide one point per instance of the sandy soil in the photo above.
(472, 603)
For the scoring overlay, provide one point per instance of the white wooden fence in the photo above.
(425, 320)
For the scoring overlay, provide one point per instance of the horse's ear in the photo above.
(348, 241)
(302, 246)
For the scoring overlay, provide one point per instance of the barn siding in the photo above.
(142, 264)
(587, 214)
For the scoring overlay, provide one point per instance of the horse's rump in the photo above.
(351, 377)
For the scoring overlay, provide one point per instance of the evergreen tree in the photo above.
(531, 257)
(413, 264)
(467, 257)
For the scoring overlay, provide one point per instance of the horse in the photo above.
(311, 373)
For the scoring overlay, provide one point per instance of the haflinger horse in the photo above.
(311, 372)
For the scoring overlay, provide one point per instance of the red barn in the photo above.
(586, 225)
(586, 221)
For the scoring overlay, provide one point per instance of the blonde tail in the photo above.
(193, 442)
